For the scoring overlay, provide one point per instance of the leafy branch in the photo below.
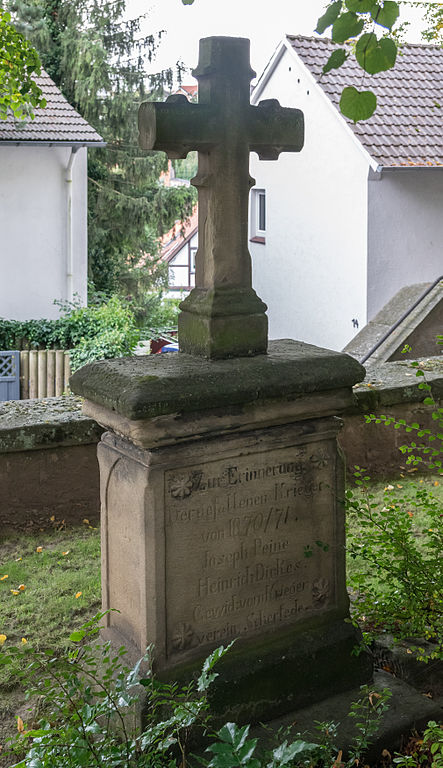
(358, 23)
(19, 64)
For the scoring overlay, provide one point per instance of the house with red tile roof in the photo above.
(190, 91)
(179, 247)
(338, 229)
(43, 207)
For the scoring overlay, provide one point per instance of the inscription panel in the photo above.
(249, 544)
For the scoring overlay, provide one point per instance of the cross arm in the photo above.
(273, 129)
(177, 126)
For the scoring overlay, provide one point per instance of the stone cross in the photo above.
(222, 316)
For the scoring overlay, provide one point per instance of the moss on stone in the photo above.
(145, 387)
(28, 425)
(263, 678)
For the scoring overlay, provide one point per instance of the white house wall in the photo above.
(407, 249)
(312, 270)
(34, 230)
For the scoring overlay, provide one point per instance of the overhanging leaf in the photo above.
(360, 6)
(358, 105)
(375, 55)
(387, 15)
(347, 25)
(329, 17)
(187, 2)
(336, 59)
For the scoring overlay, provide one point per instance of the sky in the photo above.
(264, 22)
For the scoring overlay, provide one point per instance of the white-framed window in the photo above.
(258, 215)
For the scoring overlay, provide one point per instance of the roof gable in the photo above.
(58, 122)
(407, 128)
(178, 236)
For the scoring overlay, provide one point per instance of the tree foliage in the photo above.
(433, 18)
(98, 60)
(19, 92)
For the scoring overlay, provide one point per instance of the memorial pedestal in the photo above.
(222, 491)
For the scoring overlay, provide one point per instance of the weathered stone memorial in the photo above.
(221, 482)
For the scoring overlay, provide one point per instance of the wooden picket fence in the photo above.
(44, 373)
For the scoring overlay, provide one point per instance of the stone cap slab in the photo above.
(27, 425)
(393, 383)
(381, 324)
(146, 387)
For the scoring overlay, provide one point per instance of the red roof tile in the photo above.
(57, 122)
(191, 91)
(407, 128)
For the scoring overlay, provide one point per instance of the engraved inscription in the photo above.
(236, 531)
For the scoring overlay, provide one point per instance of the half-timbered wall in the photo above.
(182, 266)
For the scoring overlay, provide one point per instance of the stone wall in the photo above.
(48, 464)
(390, 389)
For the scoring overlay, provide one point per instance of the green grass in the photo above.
(404, 496)
(47, 609)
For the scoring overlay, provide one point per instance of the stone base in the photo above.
(222, 491)
(262, 680)
(408, 710)
(223, 323)
(265, 679)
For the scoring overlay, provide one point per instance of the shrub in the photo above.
(111, 342)
(397, 575)
(397, 544)
(86, 706)
(92, 333)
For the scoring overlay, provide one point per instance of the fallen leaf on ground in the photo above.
(15, 591)
(2, 639)
(66, 553)
(78, 594)
(2, 578)
(17, 560)
(24, 641)
(22, 587)
(20, 724)
(39, 549)
(85, 521)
